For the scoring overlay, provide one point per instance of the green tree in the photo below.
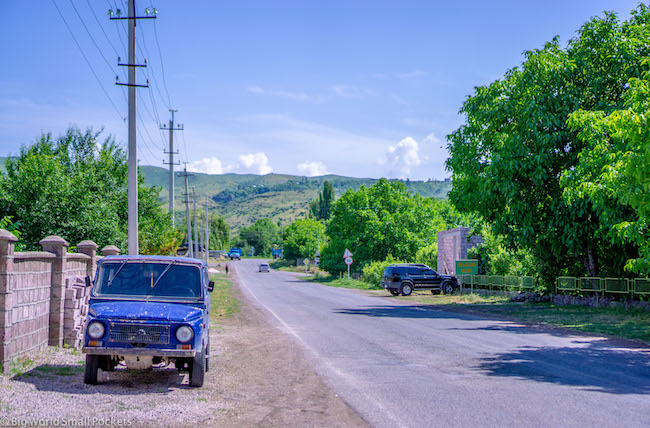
(614, 168)
(508, 157)
(302, 237)
(321, 207)
(76, 187)
(262, 235)
(219, 232)
(379, 221)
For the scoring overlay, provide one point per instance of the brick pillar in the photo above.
(59, 247)
(7, 240)
(110, 250)
(89, 248)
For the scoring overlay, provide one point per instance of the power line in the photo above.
(86, 59)
(162, 65)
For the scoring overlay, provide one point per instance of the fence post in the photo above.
(7, 241)
(110, 250)
(59, 247)
(89, 248)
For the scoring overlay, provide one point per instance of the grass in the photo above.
(224, 304)
(626, 323)
(53, 370)
(342, 281)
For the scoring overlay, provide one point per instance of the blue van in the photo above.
(146, 311)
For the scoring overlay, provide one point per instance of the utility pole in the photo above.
(133, 147)
(190, 250)
(196, 227)
(207, 232)
(171, 163)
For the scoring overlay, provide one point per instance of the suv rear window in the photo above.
(414, 270)
(388, 271)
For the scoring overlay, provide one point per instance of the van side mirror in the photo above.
(210, 286)
(88, 282)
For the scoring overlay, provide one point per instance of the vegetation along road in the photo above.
(405, 364)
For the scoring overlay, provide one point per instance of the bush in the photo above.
(373, 272)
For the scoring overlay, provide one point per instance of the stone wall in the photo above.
(453, 246)
(43, 298)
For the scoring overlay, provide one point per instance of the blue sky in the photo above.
(358, 88)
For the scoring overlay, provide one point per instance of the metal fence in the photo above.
(564, 284)
(497, 282)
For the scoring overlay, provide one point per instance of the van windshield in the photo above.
(142, 280)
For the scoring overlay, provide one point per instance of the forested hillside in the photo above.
(244, 198)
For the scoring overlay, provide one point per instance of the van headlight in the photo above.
(96, 330)
(184, 333)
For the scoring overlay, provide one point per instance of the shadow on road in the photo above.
(596, 367)
(404, 311)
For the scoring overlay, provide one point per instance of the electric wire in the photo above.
(87, 61)
(96, 46)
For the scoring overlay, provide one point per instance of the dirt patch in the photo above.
(257, 376)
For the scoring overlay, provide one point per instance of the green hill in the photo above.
(244, 198)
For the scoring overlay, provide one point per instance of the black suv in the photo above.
(404, 278)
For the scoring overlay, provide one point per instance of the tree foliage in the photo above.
(321, 207)
(614, 169)
(508, 157)
(302, 238)
(379, 221)
(75, 187)
(219, 232)
(264, 234)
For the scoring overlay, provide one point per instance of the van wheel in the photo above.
(448, 288)
(197, 369)
(406, 289)
(90, 372)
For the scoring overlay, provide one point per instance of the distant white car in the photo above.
(264, 267)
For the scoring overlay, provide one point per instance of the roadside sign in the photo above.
(348, 261)
(306, 261)
(317, 259)
(317, 255)
(347, 254)
(466, 267)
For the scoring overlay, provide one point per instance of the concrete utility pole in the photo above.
(196, 227)
(134, 247)
(133, 147)
(190, 250)
(171, 163)
(206, 233)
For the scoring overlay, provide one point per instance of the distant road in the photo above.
(401, 365)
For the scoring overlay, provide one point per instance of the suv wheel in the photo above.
(406, 289)
(448, 288)
(197, 369)
(90, 372)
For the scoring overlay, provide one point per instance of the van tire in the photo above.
(197, 369)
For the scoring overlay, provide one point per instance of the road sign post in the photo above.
(348, 261)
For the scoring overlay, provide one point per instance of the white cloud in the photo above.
(210, 165)
(401, 158)
(254, 163)
(312, 169)
(296, 96)
(432, 139)
(350, 91)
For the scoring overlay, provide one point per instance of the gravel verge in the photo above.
(257, 376)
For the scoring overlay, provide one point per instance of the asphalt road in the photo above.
(401, 365)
